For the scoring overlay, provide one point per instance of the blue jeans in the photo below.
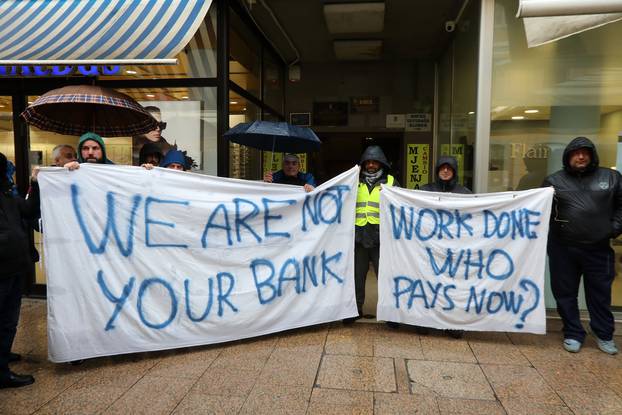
(10, 302)
(596, 263)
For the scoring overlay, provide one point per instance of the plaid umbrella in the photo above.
(274, 136)
(75, 110)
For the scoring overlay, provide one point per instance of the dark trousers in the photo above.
(596, 264)
(10, 302)
(362, 256)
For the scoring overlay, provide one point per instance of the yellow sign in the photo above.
(456, 150)
(276, 164)
(417, 165)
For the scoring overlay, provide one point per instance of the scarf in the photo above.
(372, 178)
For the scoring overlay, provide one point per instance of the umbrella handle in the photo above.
(273, 144)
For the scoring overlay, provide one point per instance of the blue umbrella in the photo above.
(274, 136)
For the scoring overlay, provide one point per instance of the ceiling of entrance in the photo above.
(409, 29)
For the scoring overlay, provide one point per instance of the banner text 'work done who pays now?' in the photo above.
(473, 262)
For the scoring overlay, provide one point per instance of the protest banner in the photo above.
(470, 262)
(142, 260)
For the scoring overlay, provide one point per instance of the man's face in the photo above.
(371, 166)
(579, 159)
(65, 155)
(445, 172)
(175, 166)
(156, 134)
(91, 152)
(153, 159)
(291, 167)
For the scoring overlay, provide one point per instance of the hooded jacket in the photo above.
(450, 186)
(99, 140)
(369, 235)
(587, 205)
(15, 248)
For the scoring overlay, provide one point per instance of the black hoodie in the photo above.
(15, 249)
(587, 206)
(451, 185)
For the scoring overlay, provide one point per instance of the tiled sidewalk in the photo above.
(328, 369)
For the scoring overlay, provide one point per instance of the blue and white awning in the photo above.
(97, 32)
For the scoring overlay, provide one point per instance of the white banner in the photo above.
(466, 262)
(141, 260)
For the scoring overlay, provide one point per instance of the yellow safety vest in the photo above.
(368, 204)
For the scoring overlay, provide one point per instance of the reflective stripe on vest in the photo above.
(368, 204)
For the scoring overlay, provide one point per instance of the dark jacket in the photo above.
(15, 248)
(450, 186)
(587, 206)
(369, 235)
(300, 180)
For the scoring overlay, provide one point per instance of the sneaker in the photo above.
(607, 346)
(572, 345)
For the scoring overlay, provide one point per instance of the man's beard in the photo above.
(92, 160)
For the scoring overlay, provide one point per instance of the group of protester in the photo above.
(586, 214)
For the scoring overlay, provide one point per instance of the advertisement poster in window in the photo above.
(179, 127)
(417, 165)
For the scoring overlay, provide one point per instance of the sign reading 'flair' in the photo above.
(143, 260)
(473, 262)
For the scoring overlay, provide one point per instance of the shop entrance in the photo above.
(340, 151)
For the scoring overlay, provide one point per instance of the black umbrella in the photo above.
(274, 136)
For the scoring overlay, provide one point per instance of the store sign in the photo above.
(417, 162)
(421, 122)
(86, 70)
(522, 150)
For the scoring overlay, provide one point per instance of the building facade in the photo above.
(478, 92)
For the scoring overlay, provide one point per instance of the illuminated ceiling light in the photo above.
(471, 112)
(1, 105)
(518, 117)
(29, 102)
(233, 102)
(532, 111)
(244, 109)
(184, 97)
(130, 72)
(150, 96)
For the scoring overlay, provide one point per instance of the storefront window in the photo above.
(545, 96)
(244, 56)
(457, 95)
(190, 118)
(6, 128)
(244, 161)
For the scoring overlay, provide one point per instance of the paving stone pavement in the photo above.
(365, 368)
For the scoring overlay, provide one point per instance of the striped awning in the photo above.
(97, 32)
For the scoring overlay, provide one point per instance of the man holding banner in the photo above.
(291, 174)
(374, 167)
(587, 213)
